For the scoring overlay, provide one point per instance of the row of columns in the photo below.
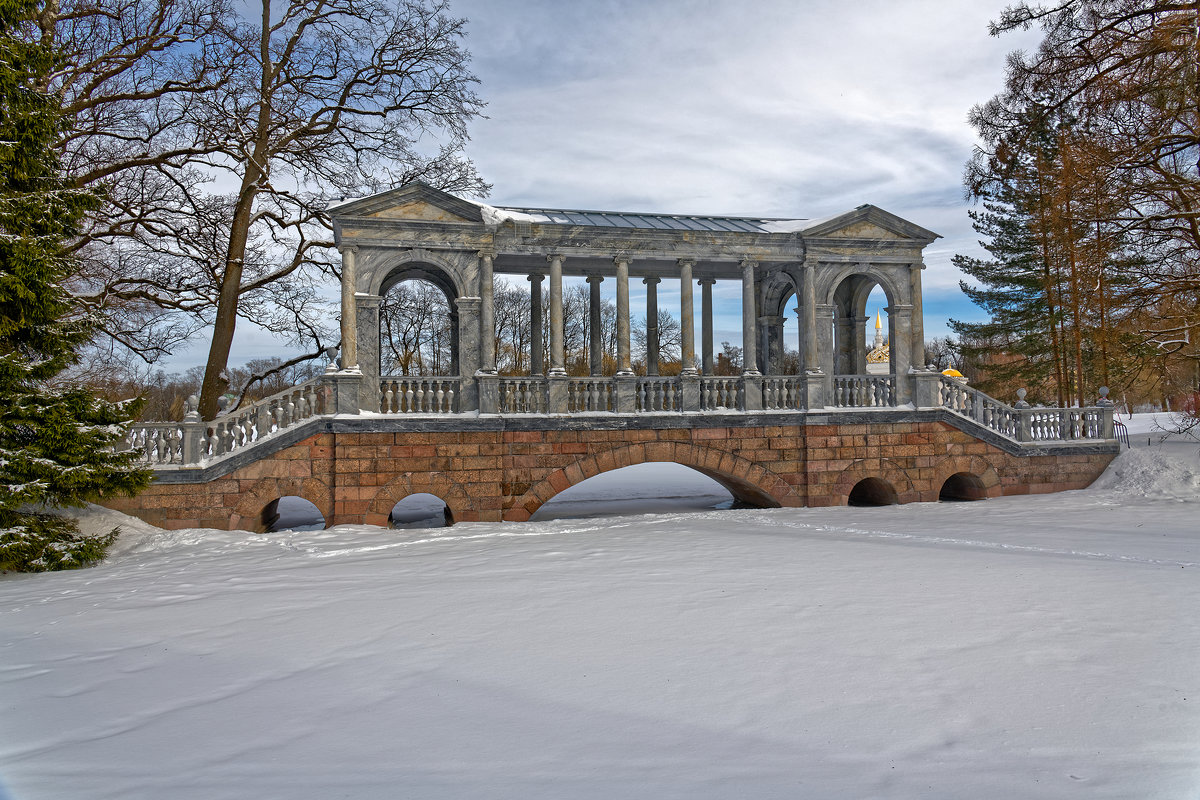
(624, 361)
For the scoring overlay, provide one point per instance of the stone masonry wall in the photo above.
(357, 476)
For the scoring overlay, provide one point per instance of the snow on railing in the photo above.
(782, 393)
(864, 391)
(659, 394)
(720, 393)
(523, 396)
(418, 395)
(590, 394)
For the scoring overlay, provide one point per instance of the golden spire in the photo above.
(878, 321)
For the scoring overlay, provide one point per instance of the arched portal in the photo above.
(418, 324)
(850, 319)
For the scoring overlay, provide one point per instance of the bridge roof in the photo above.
(630, 219)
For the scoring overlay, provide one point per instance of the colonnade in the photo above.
(752, 323)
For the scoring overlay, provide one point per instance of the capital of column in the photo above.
(488, 254)
(594, 279)
(553, 257)
(747, 261)
(706, 281)
(622, 259)
(689, 261)
(651, 280)
(347, 248)
(535, 277)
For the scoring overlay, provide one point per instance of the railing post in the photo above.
(817, 389)
(626, 394)
(193, 433)
(752, 392)
(1024, 425)
(689, 386)
(556, 390)
(488, 388)
(346, 390)
(925, 388)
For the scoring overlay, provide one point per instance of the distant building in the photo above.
(879, 361)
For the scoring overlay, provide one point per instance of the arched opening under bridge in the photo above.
(872, 492)
(292, 513)
(962, 486)
(420, 510)
(660, 487)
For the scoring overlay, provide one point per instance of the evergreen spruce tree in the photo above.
(55, 439)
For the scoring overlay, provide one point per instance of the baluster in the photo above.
(389, 396)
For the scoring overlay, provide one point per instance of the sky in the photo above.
(788, 108)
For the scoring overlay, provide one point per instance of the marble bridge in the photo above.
(354, 441)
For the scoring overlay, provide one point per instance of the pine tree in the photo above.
(55, 439)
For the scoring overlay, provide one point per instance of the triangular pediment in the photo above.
(868, 222)
(415, 202)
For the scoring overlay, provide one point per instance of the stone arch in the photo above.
(971, 465)
(829, 281)
(774, 291)
(883, 468)
(744, 479)
(848, 297)
(248, 515)
(451, 492)
(429, 268)
(423, 265)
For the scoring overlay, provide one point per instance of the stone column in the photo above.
(537, 364)
(900, 348)
(487, 314)
(595, 329)
(367, 315)
(470, 353)
(749, 317)
(824, 338)
(687, 322)
(624, 367)
(771, 358)
(706, 324)
(918, 312)
(808, 303)
(349, 309)
(557, 360)
(860, 344)
(651, 324)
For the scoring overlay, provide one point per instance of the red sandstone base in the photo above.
(494, 475)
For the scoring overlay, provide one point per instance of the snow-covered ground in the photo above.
(1035, 647)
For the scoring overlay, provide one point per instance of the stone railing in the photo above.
(720, 393)
(659, 394)
(417, 395)
(590, 394)
(864, 391)
(193, 440)
(247, 425)
(783, 393)
(1025, 424)
(523, 396)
